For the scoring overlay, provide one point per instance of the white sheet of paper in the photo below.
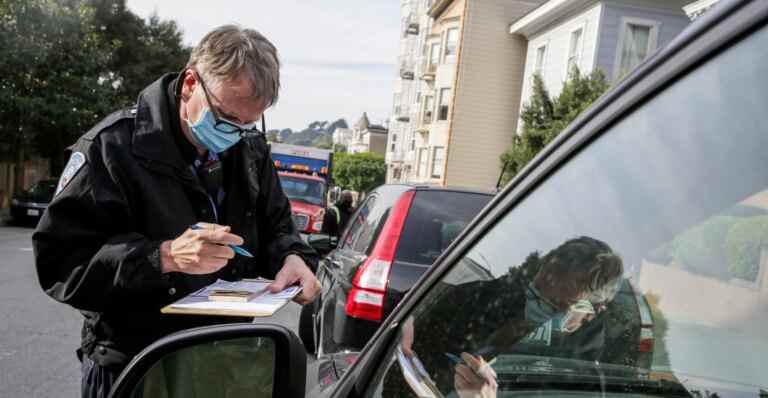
(264, 301)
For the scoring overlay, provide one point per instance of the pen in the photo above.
(239, 250)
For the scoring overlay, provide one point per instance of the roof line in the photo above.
(438, 8)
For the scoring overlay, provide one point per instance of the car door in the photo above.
(644, 188)
(645, 201)
(342, 265)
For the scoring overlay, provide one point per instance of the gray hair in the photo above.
(229, 50)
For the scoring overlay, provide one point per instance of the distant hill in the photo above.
(317, 134)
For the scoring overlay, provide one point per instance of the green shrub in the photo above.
(702, 248)
(744, 242)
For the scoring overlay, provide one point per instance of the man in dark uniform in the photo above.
(338, 215)
(116, 241)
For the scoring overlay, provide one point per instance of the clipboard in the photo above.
(261, 303)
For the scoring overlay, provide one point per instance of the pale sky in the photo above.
(338, 56)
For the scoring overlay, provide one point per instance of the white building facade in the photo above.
(401, 143)
(612, 35)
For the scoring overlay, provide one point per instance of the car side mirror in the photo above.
(233, 360)
(323, 243)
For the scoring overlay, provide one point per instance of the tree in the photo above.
(143, 50)
(67, 63)
(55, 85)
(360, 172)
(544, 118)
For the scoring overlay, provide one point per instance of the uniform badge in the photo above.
(76, 162)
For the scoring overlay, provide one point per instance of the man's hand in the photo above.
(295, 270)
(474, 378)
(199, 251)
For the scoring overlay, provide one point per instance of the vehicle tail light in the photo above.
(366, 298)
(646, 339)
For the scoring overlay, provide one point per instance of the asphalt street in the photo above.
(38, 336)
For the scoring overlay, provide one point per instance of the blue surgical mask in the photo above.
(205, 133)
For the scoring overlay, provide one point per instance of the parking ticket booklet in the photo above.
(247, 297)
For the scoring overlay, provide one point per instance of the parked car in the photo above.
(29, 205)
(393, 238)
(667, 152)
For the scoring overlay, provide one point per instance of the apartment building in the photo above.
(469, 72)
(401, 145)
(612, 35)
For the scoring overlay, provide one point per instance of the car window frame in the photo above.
(705, 39)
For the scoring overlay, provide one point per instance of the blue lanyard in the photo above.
(220, 195)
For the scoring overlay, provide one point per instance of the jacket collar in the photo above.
(153, 138)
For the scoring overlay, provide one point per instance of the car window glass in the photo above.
(370, 228)
(640, 266)
(434, 220)
(357, 222)
(43, 189)
(228, 368)
(303, 190)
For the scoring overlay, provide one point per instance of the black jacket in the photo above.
(97, 245)
(336, 219)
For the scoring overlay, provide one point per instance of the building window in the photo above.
(574, 51)
(429, 106)
(541, 54)
(423, 154)
(392, 148)
(434, 54)
(451, 42)
(413, 144)
(394, 137)
(438, 157)
(442, 112)
(638, 39)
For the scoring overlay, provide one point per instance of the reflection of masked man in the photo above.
(569, 280)
(498, 314)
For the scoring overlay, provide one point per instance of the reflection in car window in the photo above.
(674, 197)
(368, 222)
(357, 222)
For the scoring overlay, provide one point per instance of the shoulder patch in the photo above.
(76, 162)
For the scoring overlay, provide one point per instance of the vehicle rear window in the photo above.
(435, 219)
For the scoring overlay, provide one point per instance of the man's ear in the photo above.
(188, 83)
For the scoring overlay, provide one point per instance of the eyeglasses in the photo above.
(224, 125)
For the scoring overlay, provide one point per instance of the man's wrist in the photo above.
(167, 264)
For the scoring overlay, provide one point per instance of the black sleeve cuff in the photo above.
(312, 265)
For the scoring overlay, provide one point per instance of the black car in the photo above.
(649, 174)
(393, 238)
(30, 204)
